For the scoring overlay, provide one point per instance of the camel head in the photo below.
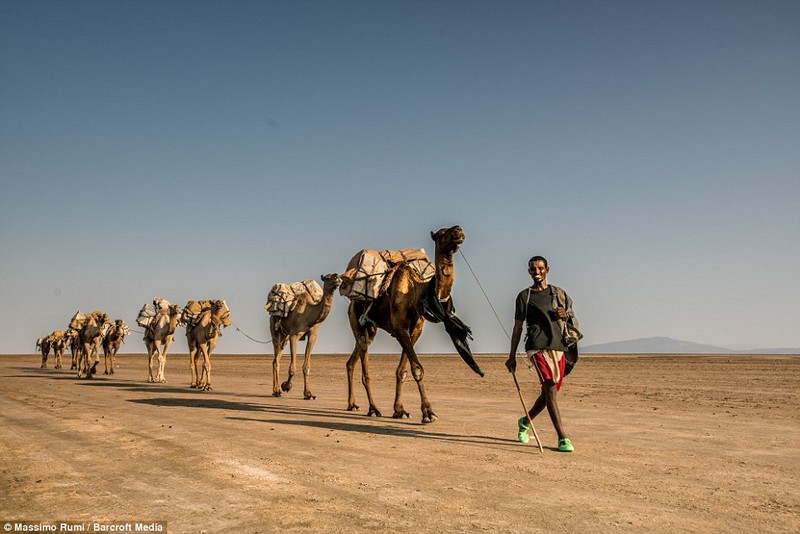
(331, 280)
(448, 239)
(220, 311)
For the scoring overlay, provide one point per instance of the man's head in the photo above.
(538, 269)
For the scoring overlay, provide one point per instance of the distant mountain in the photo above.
(667, 345)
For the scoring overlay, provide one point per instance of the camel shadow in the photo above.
(399, 430)
(199, 402)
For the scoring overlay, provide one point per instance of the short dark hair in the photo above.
(538, 258)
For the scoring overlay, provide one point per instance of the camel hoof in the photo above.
(374, 411)
(429, 418)
(193, 386)
(43, 367)
(276, 393)
(309, 396)
(286, 386)
(353, 408)
(105, 372)
(401, 414)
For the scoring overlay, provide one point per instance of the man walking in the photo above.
(544, 308)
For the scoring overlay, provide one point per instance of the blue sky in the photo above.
(650, 150)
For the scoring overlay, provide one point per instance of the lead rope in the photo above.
(248, 337)
(514, 375)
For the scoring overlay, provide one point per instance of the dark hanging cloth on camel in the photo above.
(435, 311)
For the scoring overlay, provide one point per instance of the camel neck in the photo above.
(444, 275)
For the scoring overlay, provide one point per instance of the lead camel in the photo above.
(398, 312)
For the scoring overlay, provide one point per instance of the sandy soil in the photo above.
(663, 443)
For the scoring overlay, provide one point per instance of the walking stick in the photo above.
(527, 415)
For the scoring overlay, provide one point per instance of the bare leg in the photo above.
(549, 399)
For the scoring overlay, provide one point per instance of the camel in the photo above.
(72, 340)
(58, 342)
(89, 335)
(112, 340)
(302, 322)
(158, 336)
(398, 311)
(43, 344)
(202, 335)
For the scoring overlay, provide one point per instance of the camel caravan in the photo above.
(84, 336)
(391, 290)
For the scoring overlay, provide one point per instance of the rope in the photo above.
(248, 337)
(485, 295)
(529, 364)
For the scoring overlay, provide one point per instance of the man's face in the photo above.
(538, 271)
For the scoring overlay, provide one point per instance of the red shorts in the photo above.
(549, 365)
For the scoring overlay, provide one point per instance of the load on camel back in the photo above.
(149, 311)
(370, 272)
(101, 318)
(194, 310)
(283, 298)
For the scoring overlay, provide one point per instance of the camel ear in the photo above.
(433, 235)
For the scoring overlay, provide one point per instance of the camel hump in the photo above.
(283, 298)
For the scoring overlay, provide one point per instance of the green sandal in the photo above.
(522, 433)
(565, 445)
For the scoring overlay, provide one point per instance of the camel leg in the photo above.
(58, 360)
(87, 361)
(207, 349)
(278, 343)
(287, 386)
(407, 342)
(44, 360)
(106, 359)
(402, 372)
(192, 362)
(363, 337)
(113, 360)
(162, 364)
(96, 355)
(164, 352)
(400, 375)
(160, 353)
(311, 339)
(151, 352)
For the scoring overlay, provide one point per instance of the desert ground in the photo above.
(664, 443)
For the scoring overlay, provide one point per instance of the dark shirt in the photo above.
(536, 309)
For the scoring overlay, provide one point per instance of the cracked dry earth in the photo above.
(684, 443)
